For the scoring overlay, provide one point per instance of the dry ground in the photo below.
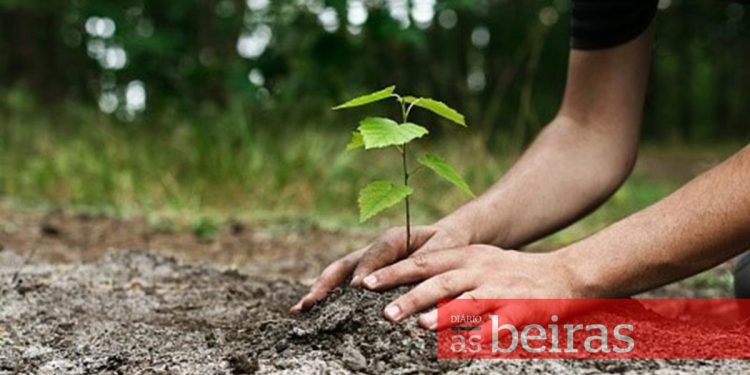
(86, 302)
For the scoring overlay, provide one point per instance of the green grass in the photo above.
(208, 163)
(635, 194)
(218, 165)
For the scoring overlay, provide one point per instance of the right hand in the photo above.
(386, 250)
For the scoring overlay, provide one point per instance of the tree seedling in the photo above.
(380, 132)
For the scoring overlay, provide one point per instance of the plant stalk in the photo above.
(405, 114)
(408, 213)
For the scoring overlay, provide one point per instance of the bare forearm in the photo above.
(568, 171)
(699, 226)
(578, 160)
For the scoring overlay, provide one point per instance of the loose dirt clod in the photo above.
(134, 312)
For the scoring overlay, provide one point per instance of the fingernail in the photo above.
(296, 308)
(355, 280)
(370, 281)
(429, 320)
(392, 312)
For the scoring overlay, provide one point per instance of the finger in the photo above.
(387, 249)
(509, 318)
(426, 294)
(417, 267)
(468, 304)
(331, 277)
(429, 320)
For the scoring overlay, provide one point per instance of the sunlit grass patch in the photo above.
(223, 165)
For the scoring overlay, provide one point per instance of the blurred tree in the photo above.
(501, 62)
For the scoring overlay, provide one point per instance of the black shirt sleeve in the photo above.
(598, 24)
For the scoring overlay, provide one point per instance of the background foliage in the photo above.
(226, 103)
(501, 61)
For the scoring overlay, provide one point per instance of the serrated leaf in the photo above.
(356, 142)
(379, 195)
(446, 171)
(380, 132)
(367, 99)
(439, 108)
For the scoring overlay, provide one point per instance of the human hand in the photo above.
(386, 250)
(473, 272)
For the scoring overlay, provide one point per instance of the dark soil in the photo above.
(294, 249)
(135, 312)
(80, 304)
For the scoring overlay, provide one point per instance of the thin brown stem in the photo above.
(404, 154)
(408, 213)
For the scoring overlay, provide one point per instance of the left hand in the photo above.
(475, 271)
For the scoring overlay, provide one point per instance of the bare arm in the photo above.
(704, 223)
(579, 159)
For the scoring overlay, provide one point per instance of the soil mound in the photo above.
(135, 312)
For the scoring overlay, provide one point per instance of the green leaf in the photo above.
(439, 108)
(380, 132)
(356, 142)
(446, 171)
(367, 99)
(379, 195)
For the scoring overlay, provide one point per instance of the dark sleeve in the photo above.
(598, 24)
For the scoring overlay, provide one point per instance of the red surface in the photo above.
(588, 328)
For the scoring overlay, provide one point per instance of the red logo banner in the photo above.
(594, 328)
